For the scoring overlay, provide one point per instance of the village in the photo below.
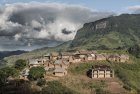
(58, 63)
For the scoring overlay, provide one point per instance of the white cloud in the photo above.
(136, 7)
(32, 22)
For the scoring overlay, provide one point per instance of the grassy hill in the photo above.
(36, 53)
(117, 32)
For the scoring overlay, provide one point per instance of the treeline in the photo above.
(135, 50)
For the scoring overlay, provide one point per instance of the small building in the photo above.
(24, 74)
(113, 57)
(59, 72)
(75, 59)
(65, 64)
(35, 62)
(58, 63)
(55, 55)
(49, 65)
(101, 71)
(66, 55)
(100, 57)
(47, 57)
(124, 58)
(85, 54)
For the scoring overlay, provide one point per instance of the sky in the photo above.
(102, 5)
(28, 25)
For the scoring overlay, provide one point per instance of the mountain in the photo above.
(9, 53)
(116, 32)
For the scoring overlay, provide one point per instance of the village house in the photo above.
(124, 58)
(100, 57)
(59, 72)
(47, 57)
(65, 64)
(24, 74)
(101, 71)
(35, 62)
(66, 55)
(86, 55)
(58, 63)
(61, 63)
(49, 65)
(113, 57)
(75, 59)
(55, 55)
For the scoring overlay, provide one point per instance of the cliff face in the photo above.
(115, 32)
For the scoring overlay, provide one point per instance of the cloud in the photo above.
(134, 9)
(39, 23)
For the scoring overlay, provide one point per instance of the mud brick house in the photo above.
(101, 71)
(47, 57)
(66, 55)
(113, 57)
(59, 72)
(100, 57)
(75, 59)
(124, 58)
(49, 65)
(86, 55)
(35, 62)
(55, 56)
(61, 63)
(58, 63)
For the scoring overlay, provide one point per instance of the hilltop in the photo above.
(116, 32)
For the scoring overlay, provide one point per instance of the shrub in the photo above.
(20, 64)
(36, 73)
(41, 82)
(55, 87)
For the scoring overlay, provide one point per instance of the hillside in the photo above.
(116, 32)
(37, 53)
(9, 53)
(113, 33)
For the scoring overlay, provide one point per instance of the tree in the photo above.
(10, 71)
(20, 64)
(135, 50)
(2, 78)
(41, 82)
(6, 72)
(36, 73)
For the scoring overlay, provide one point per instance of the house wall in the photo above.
(102, 74)
(54, 57)
(89, 58)
(81, 56)
(108, 75)
(65, 57)
(59, 74)
(76, 60)
(100, 58)
(123, 60)
(65, 66)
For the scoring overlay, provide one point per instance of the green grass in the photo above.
(129, 74)
(82, 68)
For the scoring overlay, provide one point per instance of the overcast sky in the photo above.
(27, 25)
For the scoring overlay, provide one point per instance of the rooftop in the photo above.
(59, 69)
